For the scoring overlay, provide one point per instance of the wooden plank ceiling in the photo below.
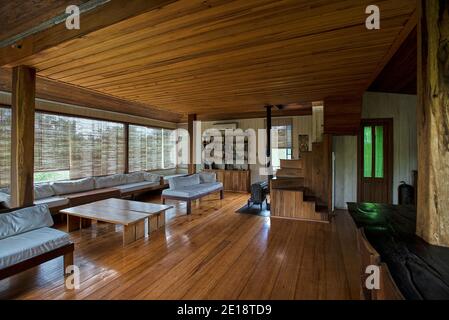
(227, 57)
(400, 74)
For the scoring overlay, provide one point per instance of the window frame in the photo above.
(126, 137)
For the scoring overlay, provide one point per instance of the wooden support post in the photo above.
(126, 148)
(268, 150)
(152, 223)
(22, 136)
(86, 223)
(73, 223)
(161, 220)
(191, 119)
(433, 122)
(189, 206)
(68, 261)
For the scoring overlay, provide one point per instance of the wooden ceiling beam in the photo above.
(66, 93)
(303, 111)
(99, 18)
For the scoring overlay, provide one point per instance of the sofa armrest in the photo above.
(5, 200)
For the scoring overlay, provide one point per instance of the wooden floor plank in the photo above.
(214, 253)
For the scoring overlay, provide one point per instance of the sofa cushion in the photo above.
(135, 177)
(73, 186)
(24, 220)
(110, 181)
(193, 191)
(208, 177)
(135, 187)
(5, 190)
(43, 190)
(167, 178)
(27, 245)
(80, 198)
(182, 182)
(53, 202)
(152, 177)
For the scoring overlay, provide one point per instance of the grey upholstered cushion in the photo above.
(110, 181)
(135, 177)
(152, 177)
(208, 177)
(73, 186)
(27, 245)
(53, 202)
(194, 190)
(132, 187)
(24, 220)
(167, 178)
(182, 182)
(43, 190)
(5, 190)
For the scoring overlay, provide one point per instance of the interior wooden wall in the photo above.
(342, 115)
(402, 108)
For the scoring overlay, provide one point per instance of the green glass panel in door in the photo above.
(367, 152)
(379, 153)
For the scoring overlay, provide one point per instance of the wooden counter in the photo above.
(420, 270)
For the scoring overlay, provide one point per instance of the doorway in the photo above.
(375, 165)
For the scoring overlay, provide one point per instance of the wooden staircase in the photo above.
(300, 189)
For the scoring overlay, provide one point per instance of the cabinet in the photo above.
(234, 180)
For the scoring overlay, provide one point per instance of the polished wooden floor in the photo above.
(214, 253)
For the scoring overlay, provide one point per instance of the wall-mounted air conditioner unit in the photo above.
(225, 126)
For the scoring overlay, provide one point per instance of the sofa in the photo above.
(193, 187)
(27, 240)
(62, 194)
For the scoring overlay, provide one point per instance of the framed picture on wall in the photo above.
(303, 140)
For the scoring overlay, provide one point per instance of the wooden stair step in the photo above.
(288, 172)
(279, 182)
(292, 164)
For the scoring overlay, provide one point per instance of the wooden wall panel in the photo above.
(342, 115)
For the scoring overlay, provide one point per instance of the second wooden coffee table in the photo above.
(130, 214)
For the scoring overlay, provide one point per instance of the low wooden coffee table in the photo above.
(155, 212)
(130, 214)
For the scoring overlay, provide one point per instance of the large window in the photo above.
(5, 146)
(71, 148)
(283, 151)
(151, 148)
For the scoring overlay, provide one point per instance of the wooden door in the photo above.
(375, 165)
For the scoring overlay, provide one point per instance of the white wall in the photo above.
(402, 108)
(345, 148)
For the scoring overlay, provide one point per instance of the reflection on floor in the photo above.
(215, 253)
